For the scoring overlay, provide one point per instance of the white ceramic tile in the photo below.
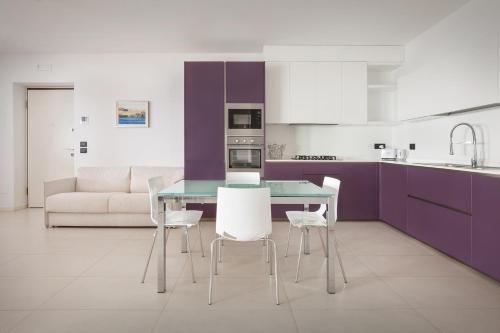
(464, 320)
(8, 319)
(95, 321)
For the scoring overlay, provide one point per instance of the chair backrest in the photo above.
(252, 178)
(333, 185)
(155, 185)
(243, 214)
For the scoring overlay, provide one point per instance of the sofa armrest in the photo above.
(52, 187)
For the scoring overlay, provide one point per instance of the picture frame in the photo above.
(132, 113)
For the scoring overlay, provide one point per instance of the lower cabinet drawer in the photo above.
(445, 229)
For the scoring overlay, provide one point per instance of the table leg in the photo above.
(184, 234)
(160, 233)
(330, 247)
(307, 246)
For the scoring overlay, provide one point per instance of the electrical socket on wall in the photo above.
(412, 146)
(379, 146)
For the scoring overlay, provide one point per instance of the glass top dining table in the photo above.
(282, 192)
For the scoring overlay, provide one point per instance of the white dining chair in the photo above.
(241, 178)
(249, 178)
(173, 219)
(243, 215)
(306, 220)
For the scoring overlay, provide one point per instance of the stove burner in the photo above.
(315, 157)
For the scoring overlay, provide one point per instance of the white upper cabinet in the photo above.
(316, 92)
(354, 92)
(277, 92)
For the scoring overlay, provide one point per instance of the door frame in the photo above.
(28, 88)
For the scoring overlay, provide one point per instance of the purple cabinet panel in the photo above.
(204, 120)
(283, 171)
(444, 187)
(485, 234)
(204, 124)
(245, 82)
(445, 229)
(393, 194)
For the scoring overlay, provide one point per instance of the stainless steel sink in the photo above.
(460, 166)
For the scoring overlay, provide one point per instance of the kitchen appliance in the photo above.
(275, 151)
(244, 119)
(388, 154)
(315, 157)
(401, 154)
(245, 153)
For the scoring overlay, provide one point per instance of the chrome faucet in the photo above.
(474, 158)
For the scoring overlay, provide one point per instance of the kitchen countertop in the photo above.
(492, 172)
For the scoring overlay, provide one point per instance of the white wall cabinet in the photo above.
(316, 92)
(354, 92)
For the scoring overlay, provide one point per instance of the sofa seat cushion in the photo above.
(103, 179)
(139, 177)
(129, 203)
(78, 202)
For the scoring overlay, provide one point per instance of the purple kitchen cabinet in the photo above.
(485, 234)
(204, 124)
(358, 197)
(283, 171)
(393, 195)
(444, 187)
(245, 82)
(446, 229)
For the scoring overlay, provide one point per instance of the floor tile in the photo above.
(359, 321)
(228, 293)
(25, 293)
(464, 320)
(83, 321)
(226, 320)
(451, 292)
(48, 265)
(359, 293)
(414, 266)
(8, 319)
(110, 293)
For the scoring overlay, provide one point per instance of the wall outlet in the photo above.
(379, 146)
(83, 144)
(412, 146)
(83, 150)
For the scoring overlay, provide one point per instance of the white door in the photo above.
(50, 140)
(303, 92)
(328, 92)
(277, 92)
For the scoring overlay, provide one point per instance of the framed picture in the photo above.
(132, 114)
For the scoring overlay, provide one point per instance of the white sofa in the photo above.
(100, 196)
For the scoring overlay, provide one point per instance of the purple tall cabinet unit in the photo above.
(204, 124)
(245, 82)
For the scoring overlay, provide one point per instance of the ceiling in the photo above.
(90, 26)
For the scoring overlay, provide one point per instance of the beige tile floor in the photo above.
(87, 280)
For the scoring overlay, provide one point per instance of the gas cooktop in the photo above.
(315, 157)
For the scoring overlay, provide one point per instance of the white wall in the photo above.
(453, 64)
(99, 80)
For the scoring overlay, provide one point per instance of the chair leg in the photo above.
(216, 259)
(276, 272)
(322, 242)
(270, 258)
(267, 249)
(219, 247)
(201, 242)
(211, 270)
(149, 257)
(288, 241)
(190, 254)
(300, 254)
(340, 259)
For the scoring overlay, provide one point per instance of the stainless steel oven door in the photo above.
(244, 119)
(244, 158)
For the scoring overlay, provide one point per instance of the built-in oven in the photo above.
(245, 154)
(244, 119)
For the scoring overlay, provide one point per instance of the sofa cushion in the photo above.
(140, 176)
(78, 202)
(97, 179)
(129, 203)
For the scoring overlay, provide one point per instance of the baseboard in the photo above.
(11, 209)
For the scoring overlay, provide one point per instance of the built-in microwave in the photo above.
(245, 154)
(244, 119)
